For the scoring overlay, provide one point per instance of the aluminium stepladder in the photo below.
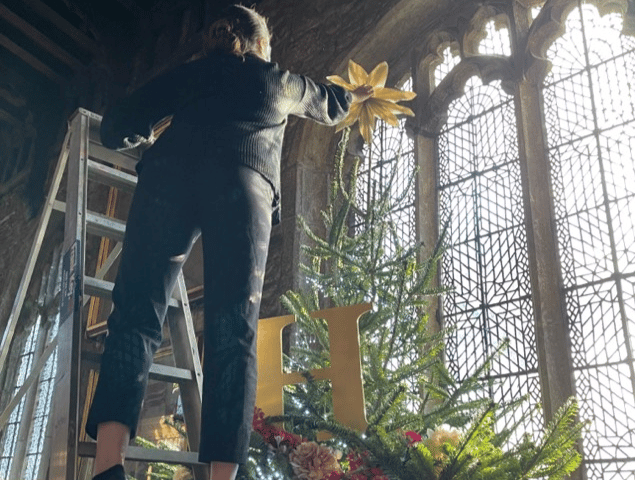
(83, 158)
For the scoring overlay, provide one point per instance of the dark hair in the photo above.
(237, 31)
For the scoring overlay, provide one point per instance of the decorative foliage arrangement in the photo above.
(421, 423)
(382, 104)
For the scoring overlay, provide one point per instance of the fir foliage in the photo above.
(160, 470)
(409, 393)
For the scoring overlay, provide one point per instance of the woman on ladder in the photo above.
(215, 171)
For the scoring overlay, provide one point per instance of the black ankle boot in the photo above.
(113, 473)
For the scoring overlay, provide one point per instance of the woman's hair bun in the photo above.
(237, 31)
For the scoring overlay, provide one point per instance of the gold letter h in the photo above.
(345, 372)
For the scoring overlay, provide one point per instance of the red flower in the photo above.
(289, 439)
(355, 460)
(258, 423)
(378, 472)
(413, 438)
(336, 476)
(359, 476)
(272, 434)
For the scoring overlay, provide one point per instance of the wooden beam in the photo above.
(13, 99)
(8, 118)
(52, 16)
(39, 38)
(31, 60)
(132, 6)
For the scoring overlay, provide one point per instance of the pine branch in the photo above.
(391, 344)
(557, 448)
(385, 406)
(459, 458)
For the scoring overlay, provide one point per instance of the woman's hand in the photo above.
(362, 93)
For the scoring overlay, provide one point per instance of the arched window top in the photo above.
(588, 32)
(449, 58)
(481, 99)
(488, 33)
(556, 20)
(496, 41)
(480, 47)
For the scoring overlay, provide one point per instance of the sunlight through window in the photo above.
(450, 60)
(590, 115)
(496, 41)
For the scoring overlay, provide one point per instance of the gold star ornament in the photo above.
(382, 103)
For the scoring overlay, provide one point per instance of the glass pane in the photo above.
(496, 41)
(486, 264)
(450, 60)
(589, 107)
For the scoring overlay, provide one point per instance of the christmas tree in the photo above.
(421, 423)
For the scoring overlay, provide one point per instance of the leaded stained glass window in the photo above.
(12, 429)
(390, 160)
(391, 154)
(486, 265)
(40, 420)
(23, 450)
(590, 116)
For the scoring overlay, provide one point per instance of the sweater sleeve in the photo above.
(327, 104)
(136, 114)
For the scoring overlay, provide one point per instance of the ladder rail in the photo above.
(183, 339)
(67, 384)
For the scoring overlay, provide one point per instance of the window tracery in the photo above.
(590, 119)
(579, 58)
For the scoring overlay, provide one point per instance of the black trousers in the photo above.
(231, 207)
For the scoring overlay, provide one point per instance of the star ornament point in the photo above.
(382, 104)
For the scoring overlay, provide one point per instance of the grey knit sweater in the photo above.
(226, 110)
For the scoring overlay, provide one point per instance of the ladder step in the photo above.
(140, 454)
(161, 373)
(103, 288)
(106, 175)
(104, 226)
(125, 160)
(98, 224)
(168, 374)
(98, 288)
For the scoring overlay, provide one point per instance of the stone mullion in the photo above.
(426, 193)
(552, 333)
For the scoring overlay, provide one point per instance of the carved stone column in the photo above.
(552, 334)
(556, 370)
(427, 197)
